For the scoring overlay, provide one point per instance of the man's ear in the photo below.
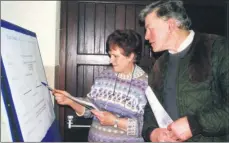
(172, 24)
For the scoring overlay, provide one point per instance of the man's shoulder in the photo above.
(217, 42)
(211, 42)
(210, 36)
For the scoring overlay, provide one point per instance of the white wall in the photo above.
(43, 18)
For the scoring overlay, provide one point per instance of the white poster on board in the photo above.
(24, 70)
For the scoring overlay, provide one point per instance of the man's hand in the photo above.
(162, 135)
(105, 118)
(180, 128)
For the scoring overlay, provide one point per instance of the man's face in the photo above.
(157, 32)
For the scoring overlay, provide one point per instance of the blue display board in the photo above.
(27, 103)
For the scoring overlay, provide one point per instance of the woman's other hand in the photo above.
(105, 118)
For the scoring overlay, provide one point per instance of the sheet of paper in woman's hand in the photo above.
(84, 102)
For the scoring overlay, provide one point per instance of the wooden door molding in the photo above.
(60, 82)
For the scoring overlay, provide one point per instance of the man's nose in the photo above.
(146, 36)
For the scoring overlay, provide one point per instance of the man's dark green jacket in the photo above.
(202, 88)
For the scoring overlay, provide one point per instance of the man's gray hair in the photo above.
(166, 9)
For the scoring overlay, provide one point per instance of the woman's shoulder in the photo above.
(140, 74)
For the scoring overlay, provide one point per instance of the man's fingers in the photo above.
(166, 139)
(172, 135)
(182, 137)
(161, 140)
(162, 136)
(167, 136)
(169, 127)
(170, 140)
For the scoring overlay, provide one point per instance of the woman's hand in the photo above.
(105, 118)
(61, 97)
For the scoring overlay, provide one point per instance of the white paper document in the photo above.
(162, 117)
(84, 102)
(25, 71)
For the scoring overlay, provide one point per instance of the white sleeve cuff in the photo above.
(80, 115)
(132, 127)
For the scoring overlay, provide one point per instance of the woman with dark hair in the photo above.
(119, 92)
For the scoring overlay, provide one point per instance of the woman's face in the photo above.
(120, 63)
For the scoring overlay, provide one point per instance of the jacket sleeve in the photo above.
(215, 122)
(149, 123)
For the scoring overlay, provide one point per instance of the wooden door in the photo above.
(84, 29)
(85, 26)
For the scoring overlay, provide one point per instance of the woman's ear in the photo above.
(132, 57)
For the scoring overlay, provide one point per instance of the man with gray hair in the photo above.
(190, 79)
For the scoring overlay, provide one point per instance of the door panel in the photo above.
(120, 17)
(99, 29)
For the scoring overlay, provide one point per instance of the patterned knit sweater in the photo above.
(123, 96)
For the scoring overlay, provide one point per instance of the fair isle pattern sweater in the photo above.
(122, 96)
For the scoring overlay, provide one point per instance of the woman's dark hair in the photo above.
(128, 40)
